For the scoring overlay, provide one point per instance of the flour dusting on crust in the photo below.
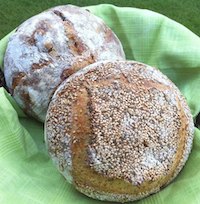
(48, 48)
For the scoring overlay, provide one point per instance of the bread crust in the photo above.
(119, 130)
(48, 48)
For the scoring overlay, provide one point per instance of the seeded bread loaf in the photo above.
(118, 131)
(51, 46)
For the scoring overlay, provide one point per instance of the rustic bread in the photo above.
(118, 130)
(51, 46)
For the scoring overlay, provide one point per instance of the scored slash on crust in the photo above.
(49, 47)
(130, 128)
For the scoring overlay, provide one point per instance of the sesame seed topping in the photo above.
(141, 128)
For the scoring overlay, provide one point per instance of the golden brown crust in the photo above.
(130, 130)
(79, 64)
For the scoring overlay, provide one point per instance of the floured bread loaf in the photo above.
(51, 46)
(119, 131)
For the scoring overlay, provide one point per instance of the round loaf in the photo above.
(118, 130)
(51, 46)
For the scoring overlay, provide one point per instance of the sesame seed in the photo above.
(136, 117)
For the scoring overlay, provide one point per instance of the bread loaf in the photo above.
(119, 130)
(51, 46)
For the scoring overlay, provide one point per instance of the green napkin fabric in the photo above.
(27, 174)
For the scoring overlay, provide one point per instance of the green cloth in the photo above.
(27, 175)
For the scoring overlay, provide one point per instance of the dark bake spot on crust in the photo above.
(79, 47)
(41, 64)
(49, 46)
(28, 39)
(26, 97)
(75, 44)
(51, 50)
(145, 143)
(77, 65)
(31, 40)
(92, 58)
(59, 14)
(27, 101)
(41, 29)
(17, 77)
(66, 73)
(109, 36)
(30, 81)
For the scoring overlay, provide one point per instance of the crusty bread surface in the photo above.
(48, 48)
(119, 130)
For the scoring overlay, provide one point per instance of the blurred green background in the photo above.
(14, 12)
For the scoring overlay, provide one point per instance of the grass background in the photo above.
(14, 12)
